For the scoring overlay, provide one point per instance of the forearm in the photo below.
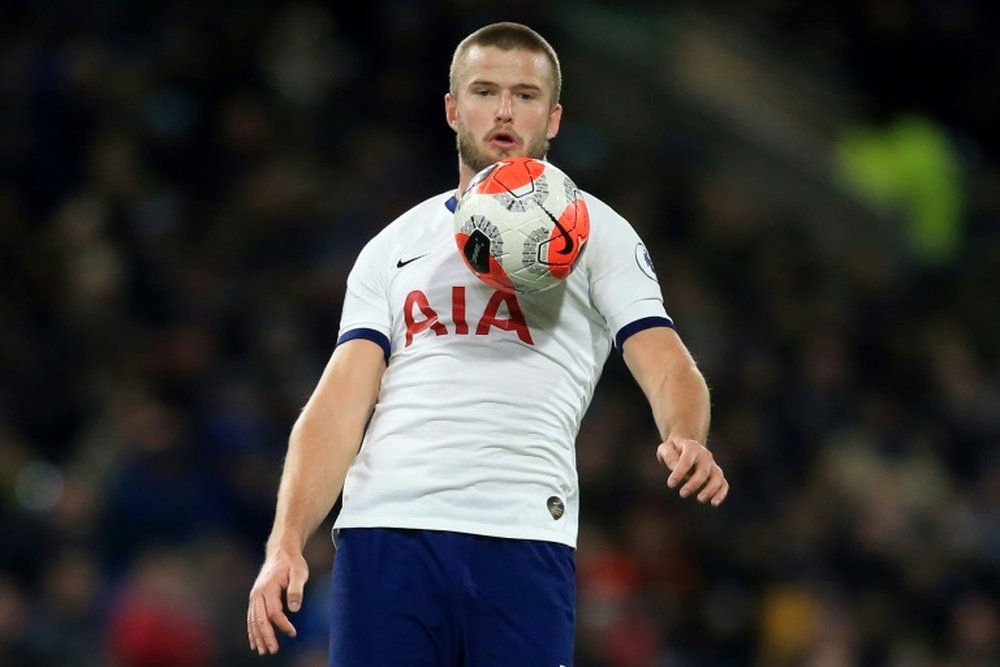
(681, 404)
(320, 450)
(678, 396)
(324, 441)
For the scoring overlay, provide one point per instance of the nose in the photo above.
(504, 109)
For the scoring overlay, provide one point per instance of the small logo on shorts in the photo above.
(556, 507)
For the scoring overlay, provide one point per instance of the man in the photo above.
(455, 540)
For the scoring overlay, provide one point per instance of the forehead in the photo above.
(516, 66)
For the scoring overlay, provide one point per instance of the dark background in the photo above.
(184, 186)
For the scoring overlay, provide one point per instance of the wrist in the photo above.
(682, 434)
(284, 541)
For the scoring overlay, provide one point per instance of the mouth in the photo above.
(503, 140)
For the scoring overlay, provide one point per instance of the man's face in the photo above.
(502, 107)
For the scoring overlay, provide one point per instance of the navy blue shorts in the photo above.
(425, 598)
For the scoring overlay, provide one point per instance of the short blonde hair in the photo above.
(508, 36)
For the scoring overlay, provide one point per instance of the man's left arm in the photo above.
(678, 396)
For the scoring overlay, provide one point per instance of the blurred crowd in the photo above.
(183, 189)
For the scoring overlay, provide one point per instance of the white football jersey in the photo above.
(484, 391)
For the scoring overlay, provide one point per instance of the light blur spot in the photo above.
(38, 486)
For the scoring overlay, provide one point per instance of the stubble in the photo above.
(477, 159)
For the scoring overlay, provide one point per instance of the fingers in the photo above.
(263, 616)
(668, 454)
(276, 614)
(262, 637)
(296, 583)
(251, 636)
(685, 462)
(265, 610)
(698, 477)
(715, 490)
(692, 463)
(721, 494)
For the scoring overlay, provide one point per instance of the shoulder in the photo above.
(431, 209)
(598, 205)
(602, 216)
(411, 222)
(607, 226)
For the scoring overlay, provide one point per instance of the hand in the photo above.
(690, 460)
(283, 572)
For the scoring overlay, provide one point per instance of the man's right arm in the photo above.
(322, 445)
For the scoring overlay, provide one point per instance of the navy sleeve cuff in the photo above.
(376, 337)
(640, 325)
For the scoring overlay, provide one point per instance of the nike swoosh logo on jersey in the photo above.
(400, 263)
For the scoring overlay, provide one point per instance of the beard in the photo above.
(477, 159)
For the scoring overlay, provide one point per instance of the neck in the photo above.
(465, 175)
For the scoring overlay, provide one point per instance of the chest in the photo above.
(433, 294)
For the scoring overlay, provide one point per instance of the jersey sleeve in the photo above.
(366, 311)
(623, 282)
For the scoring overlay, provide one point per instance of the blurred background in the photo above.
(184, 186)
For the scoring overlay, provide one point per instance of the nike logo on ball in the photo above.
(568, 244)
(400, 263)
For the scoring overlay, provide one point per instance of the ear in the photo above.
(451, 111)
(555, 117)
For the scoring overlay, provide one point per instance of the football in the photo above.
(521, 225)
